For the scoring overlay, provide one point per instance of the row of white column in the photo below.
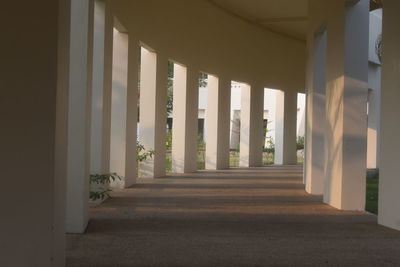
(336, 118)
(102, 107)
(103, 112)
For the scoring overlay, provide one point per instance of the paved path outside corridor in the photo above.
(252, 217)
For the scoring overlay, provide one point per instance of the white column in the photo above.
(97, 88)
(78, 159)
(132, 111)
(218, 123)
(346, 100)
(107, 88)
(373, 128)
(119, 105)
(285, 128)
(185, 109)
(153, 111)
(374, 92)
(389, 179)
(374, 108)
(316, 117)
(251, 127)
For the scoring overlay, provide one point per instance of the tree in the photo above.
(170, 93)
(378, 47)
(375, 4)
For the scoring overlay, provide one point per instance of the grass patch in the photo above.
(371, 204)
(234, 159)
(168, 161)
(200, 160)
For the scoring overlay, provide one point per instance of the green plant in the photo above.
(168, 144)
(270, 147)
(168, 161)
(168, 140)
(268, 158)
(142, 154)
(102, 180)
(201, 153)
(203, 79)
(300, 142)
(201, 144)
(201, 159)
(378, 47)
(237, 149)
(234, 158)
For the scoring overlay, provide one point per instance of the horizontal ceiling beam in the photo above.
(281, 20)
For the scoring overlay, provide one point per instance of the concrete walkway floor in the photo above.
(252, 217)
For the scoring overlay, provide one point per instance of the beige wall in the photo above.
(196, 33)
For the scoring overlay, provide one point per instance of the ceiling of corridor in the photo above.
(285, 16)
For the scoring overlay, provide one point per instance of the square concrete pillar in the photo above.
(346, 100)
(119, 103)
(98, 35)
(153, 111)
(251, 128)
(132, 111)
(374, 92)
(314, 168)
(107, 88)
(79, 106)
(119, 110)
(33, 119)
(218, 123)
(285, 128)
(185, 117)
(374, 110)
(389, 178)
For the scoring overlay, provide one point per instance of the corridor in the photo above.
(237, 217)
